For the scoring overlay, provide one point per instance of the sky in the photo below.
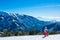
(47, 9)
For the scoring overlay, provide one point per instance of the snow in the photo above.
(2, 18)
(17, 24)
(32, 37)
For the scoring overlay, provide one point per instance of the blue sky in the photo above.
(37, 8)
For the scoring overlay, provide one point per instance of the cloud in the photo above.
(51, 6)
(51, 18)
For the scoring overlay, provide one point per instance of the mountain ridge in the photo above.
(14, 22)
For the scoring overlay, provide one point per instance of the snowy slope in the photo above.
(35, 37)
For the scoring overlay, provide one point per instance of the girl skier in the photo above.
(45, 31)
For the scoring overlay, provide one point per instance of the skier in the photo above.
(45, 31)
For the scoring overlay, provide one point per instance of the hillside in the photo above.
(15, 22)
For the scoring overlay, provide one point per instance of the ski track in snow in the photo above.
(34, 37)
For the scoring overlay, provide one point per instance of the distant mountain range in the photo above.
(13, 22)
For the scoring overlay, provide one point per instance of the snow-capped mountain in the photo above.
(12, 21)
